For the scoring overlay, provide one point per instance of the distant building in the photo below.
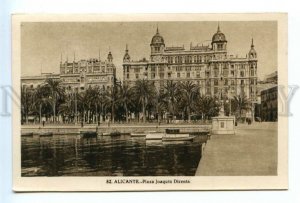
(209, 66)
(272, 78)
(269, 104)
(79, 75)
(266, 106)
(36, 81)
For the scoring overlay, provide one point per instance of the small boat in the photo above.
(46, 134)
(176, 135)
(105, 134)
(29, 134)
(154, 136)
(88, 134)
(138, 134)
(178, 138)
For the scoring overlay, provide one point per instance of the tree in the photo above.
(159, 103)
(143, 91)
(171, 96)
(112, 97)
(240, 103)
(26, 102)
(207, 106)
(40, 99)
(56, 91)
(125, 98)
(189, 94)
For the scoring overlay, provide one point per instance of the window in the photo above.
(216, 72)
(225, 82)
(215, 90)
(232, 73)
(252, 72)
(198, 74)
(178, 75)
(207, 90)
(180, 59)
(242, 74)
(152, 75)
(232, 82)
(137, 76)
(169, 75)
(188, 75)
(215, 82)
(225, 71)
(242, 82)
(178, 68)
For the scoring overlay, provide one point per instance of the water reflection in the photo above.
(71, 155)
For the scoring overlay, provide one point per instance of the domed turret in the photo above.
(219, 41)
(252, 53)
(126, 57)
(157, 43)
(157, 38)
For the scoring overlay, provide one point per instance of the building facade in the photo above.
(269, 104)
(210, 67)
(79, 75)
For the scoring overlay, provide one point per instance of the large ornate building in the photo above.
(79, 75)
(210, 66)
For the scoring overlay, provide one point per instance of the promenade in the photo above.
(107, 128)
(251, 151)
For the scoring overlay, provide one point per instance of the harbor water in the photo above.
(72, 155)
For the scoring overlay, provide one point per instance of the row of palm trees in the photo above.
(177, 100)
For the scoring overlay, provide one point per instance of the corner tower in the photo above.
(219, 41)
(157, 44)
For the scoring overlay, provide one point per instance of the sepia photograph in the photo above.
(154, 103)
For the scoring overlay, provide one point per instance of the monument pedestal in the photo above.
(223, 125)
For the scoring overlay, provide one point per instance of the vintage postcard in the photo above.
(149, 102)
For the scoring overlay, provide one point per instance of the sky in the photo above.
(43, 43)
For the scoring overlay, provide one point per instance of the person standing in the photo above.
(43, 121)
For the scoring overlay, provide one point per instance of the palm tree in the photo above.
(171, 95)
(112, 98)
(189, 93)
(40, 98)
(125, 98)
(56, 92)
(26, 102)
(207, 106)
(240, 103)
(143, 91)
(159, 103)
